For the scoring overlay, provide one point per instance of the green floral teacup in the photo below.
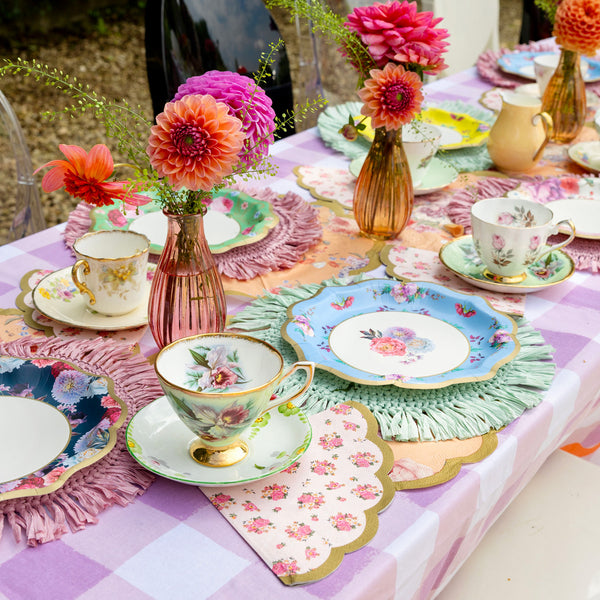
(510, 234)
(218, 384)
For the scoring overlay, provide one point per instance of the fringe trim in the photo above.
(116, 478)
(461, 411)
(298, 230)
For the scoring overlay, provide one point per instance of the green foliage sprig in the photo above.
(130, 128)
(548, 7)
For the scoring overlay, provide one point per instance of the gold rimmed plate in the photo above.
(414, 335)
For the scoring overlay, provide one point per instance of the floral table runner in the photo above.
(303, 520)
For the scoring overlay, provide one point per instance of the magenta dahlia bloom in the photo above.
(397, 32)
(246, 101)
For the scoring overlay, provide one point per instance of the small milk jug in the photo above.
(520, 133)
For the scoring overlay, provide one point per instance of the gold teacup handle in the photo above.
(80, 285)
(548, 130)
(307, 366)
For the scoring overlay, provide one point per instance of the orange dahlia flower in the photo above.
(195, 142)
(83, 175)
(392, 97)
(577, 26)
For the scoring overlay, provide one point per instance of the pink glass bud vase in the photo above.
(186, 297)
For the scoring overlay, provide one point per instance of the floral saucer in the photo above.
(276, 441)
(521, 64)
(57, 298)
(54, 420)
(461, 258)
(439, 175)
(233, 219)
(586, 155)
(414, 335)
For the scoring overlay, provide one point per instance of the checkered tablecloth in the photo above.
(172, 543)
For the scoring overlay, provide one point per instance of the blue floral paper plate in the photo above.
(413, 335)
(54, 420)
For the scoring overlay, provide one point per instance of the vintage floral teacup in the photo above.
(509, 234)
(219, 384)
(110, 271)
(420, 141)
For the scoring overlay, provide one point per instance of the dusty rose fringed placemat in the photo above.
(298, 230)
(584, 252)
(114, 479)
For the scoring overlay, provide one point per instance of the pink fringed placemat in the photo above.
(114, 479)
(298, 230)
(584, 252)
(488, 69)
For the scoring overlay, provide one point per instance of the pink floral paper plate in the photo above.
(414, 335)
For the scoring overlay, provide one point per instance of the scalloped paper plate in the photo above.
(415, 335)
(521, 64)
(233, 219)
(55, 419)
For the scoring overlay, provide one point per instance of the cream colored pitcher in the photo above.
(520, 133)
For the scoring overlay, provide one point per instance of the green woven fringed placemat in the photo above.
(458, 411)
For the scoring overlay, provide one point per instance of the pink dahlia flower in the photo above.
(246, 101)
(391, 97)
(195, 143)
(397, 32)
(83, 176)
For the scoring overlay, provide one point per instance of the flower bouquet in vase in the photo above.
(218, 128)
(391, 46)
(577, 31)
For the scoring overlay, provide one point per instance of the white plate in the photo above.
(439, 175)
(584, 213)
(586, 155)
(23, 420)
(159, 441)
(218, 227)
(57, 298)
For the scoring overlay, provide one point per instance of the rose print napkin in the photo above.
(303, 520)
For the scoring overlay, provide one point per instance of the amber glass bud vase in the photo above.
(384, 195)
(564, 98)
(186, 297)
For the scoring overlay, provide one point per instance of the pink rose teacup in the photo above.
(218, 384)
(510, 234)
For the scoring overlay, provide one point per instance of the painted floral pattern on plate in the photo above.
(83, 398)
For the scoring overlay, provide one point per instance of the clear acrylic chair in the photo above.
(21, 202)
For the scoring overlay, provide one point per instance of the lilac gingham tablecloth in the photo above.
(172, 543)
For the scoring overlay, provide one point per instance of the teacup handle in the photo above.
(77, 281)
(571, 226)
(307, 366)
(548, 129)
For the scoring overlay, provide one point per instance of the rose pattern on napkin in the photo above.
(328, 500)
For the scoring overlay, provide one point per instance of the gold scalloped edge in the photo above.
(452, 466)
(336, 207)
(26, 310)
(371, 514)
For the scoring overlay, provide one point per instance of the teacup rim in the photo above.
(90, 234)
(222, 334)
(514, 227)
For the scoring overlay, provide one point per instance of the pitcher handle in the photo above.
(569, 223)
(77, 281)
(307, 366)
(548, 130)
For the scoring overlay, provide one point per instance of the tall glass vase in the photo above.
(564, 98)
(186, 297)
(384, 195)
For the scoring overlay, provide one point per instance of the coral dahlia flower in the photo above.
(195, 143)
(84, 176)
(577, 26)
(386, 29)
(392, 97)
(246, 101)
